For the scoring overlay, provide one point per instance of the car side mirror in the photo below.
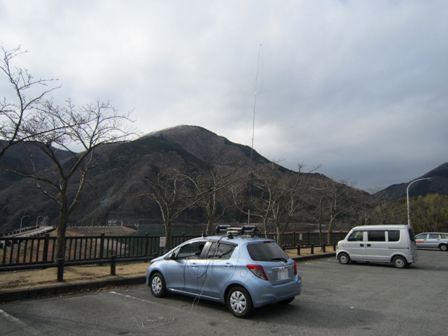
(173, 256)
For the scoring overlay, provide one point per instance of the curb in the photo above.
(315, 256)
(57, 289)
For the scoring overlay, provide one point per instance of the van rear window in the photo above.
(394, 235)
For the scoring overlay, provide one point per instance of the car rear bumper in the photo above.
(265, 293)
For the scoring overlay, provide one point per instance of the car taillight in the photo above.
(295, 267)
(258, 271)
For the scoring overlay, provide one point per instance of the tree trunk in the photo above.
(330, 230)
(60, 241)
(168, 236)
(209, 229)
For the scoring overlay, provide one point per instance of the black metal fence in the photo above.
(19, 253)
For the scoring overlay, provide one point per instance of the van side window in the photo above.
(356, 236)
(376, 236)
(394, 235)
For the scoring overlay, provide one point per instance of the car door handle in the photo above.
(369, 245)
(228, 264)
(362, 245)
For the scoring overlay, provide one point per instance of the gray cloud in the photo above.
(356, 86)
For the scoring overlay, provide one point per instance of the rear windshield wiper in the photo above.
(279, 259)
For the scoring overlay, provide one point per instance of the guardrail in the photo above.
(37, 252)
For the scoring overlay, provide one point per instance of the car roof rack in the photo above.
(245, 230)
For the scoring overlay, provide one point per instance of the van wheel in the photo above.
(443, 247)
(343, 258)
(239, 302)
(399, 262)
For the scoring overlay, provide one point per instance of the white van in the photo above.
(378, 244)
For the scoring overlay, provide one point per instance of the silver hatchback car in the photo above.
(238, 269)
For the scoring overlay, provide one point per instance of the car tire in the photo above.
(287, 301)
(443, 247)
(239, 302)
(399, 262)
(343, 258)
(157, 285)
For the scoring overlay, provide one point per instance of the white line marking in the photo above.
(20, 323)
(151, 302)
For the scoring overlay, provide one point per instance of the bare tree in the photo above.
(340, 203)
(171, 191)
(77, 132)
(208, 188)
(288, 200)
(26, 99)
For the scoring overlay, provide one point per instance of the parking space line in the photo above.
(148, 301)
(23, 325)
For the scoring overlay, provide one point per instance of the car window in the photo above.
(433, 236)
(378, 236)
(356, 236)
(220, 251)
(393, 235)
(443, 235)
(421, 236)
(191, 251)
(266, 251)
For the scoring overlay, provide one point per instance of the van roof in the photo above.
(382, 227)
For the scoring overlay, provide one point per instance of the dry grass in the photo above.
(30, 278)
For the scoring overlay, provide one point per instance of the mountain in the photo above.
(437, 185)
(120, 170)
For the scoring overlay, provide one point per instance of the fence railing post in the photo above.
(312, 248)
(60, 262)
(334, 247)
(113, 265)
(45, 255)
(323, 248)
(298, 249)
(146, 245)
(102, 246)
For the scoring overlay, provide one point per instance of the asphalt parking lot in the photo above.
(336, 300)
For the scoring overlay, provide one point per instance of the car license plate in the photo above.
(282, 274)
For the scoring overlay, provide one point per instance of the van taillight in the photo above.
(258, 271)
(295, 267)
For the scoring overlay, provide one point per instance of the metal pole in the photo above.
(407, 197)
(21, 221)
(37, 220)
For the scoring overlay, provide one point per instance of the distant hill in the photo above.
(437, 185)
(119, 172)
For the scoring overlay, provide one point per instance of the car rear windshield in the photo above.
(266, 251)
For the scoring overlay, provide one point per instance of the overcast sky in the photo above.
(357, 87)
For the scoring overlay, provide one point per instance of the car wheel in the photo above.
(287, 301)
(157, 285)
(343, 258)
(443, 247)
(399, 262)
(239, 302)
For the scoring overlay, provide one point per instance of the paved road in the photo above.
(336, 300)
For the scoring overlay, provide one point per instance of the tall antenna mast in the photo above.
(255, 100)
(253, 127)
